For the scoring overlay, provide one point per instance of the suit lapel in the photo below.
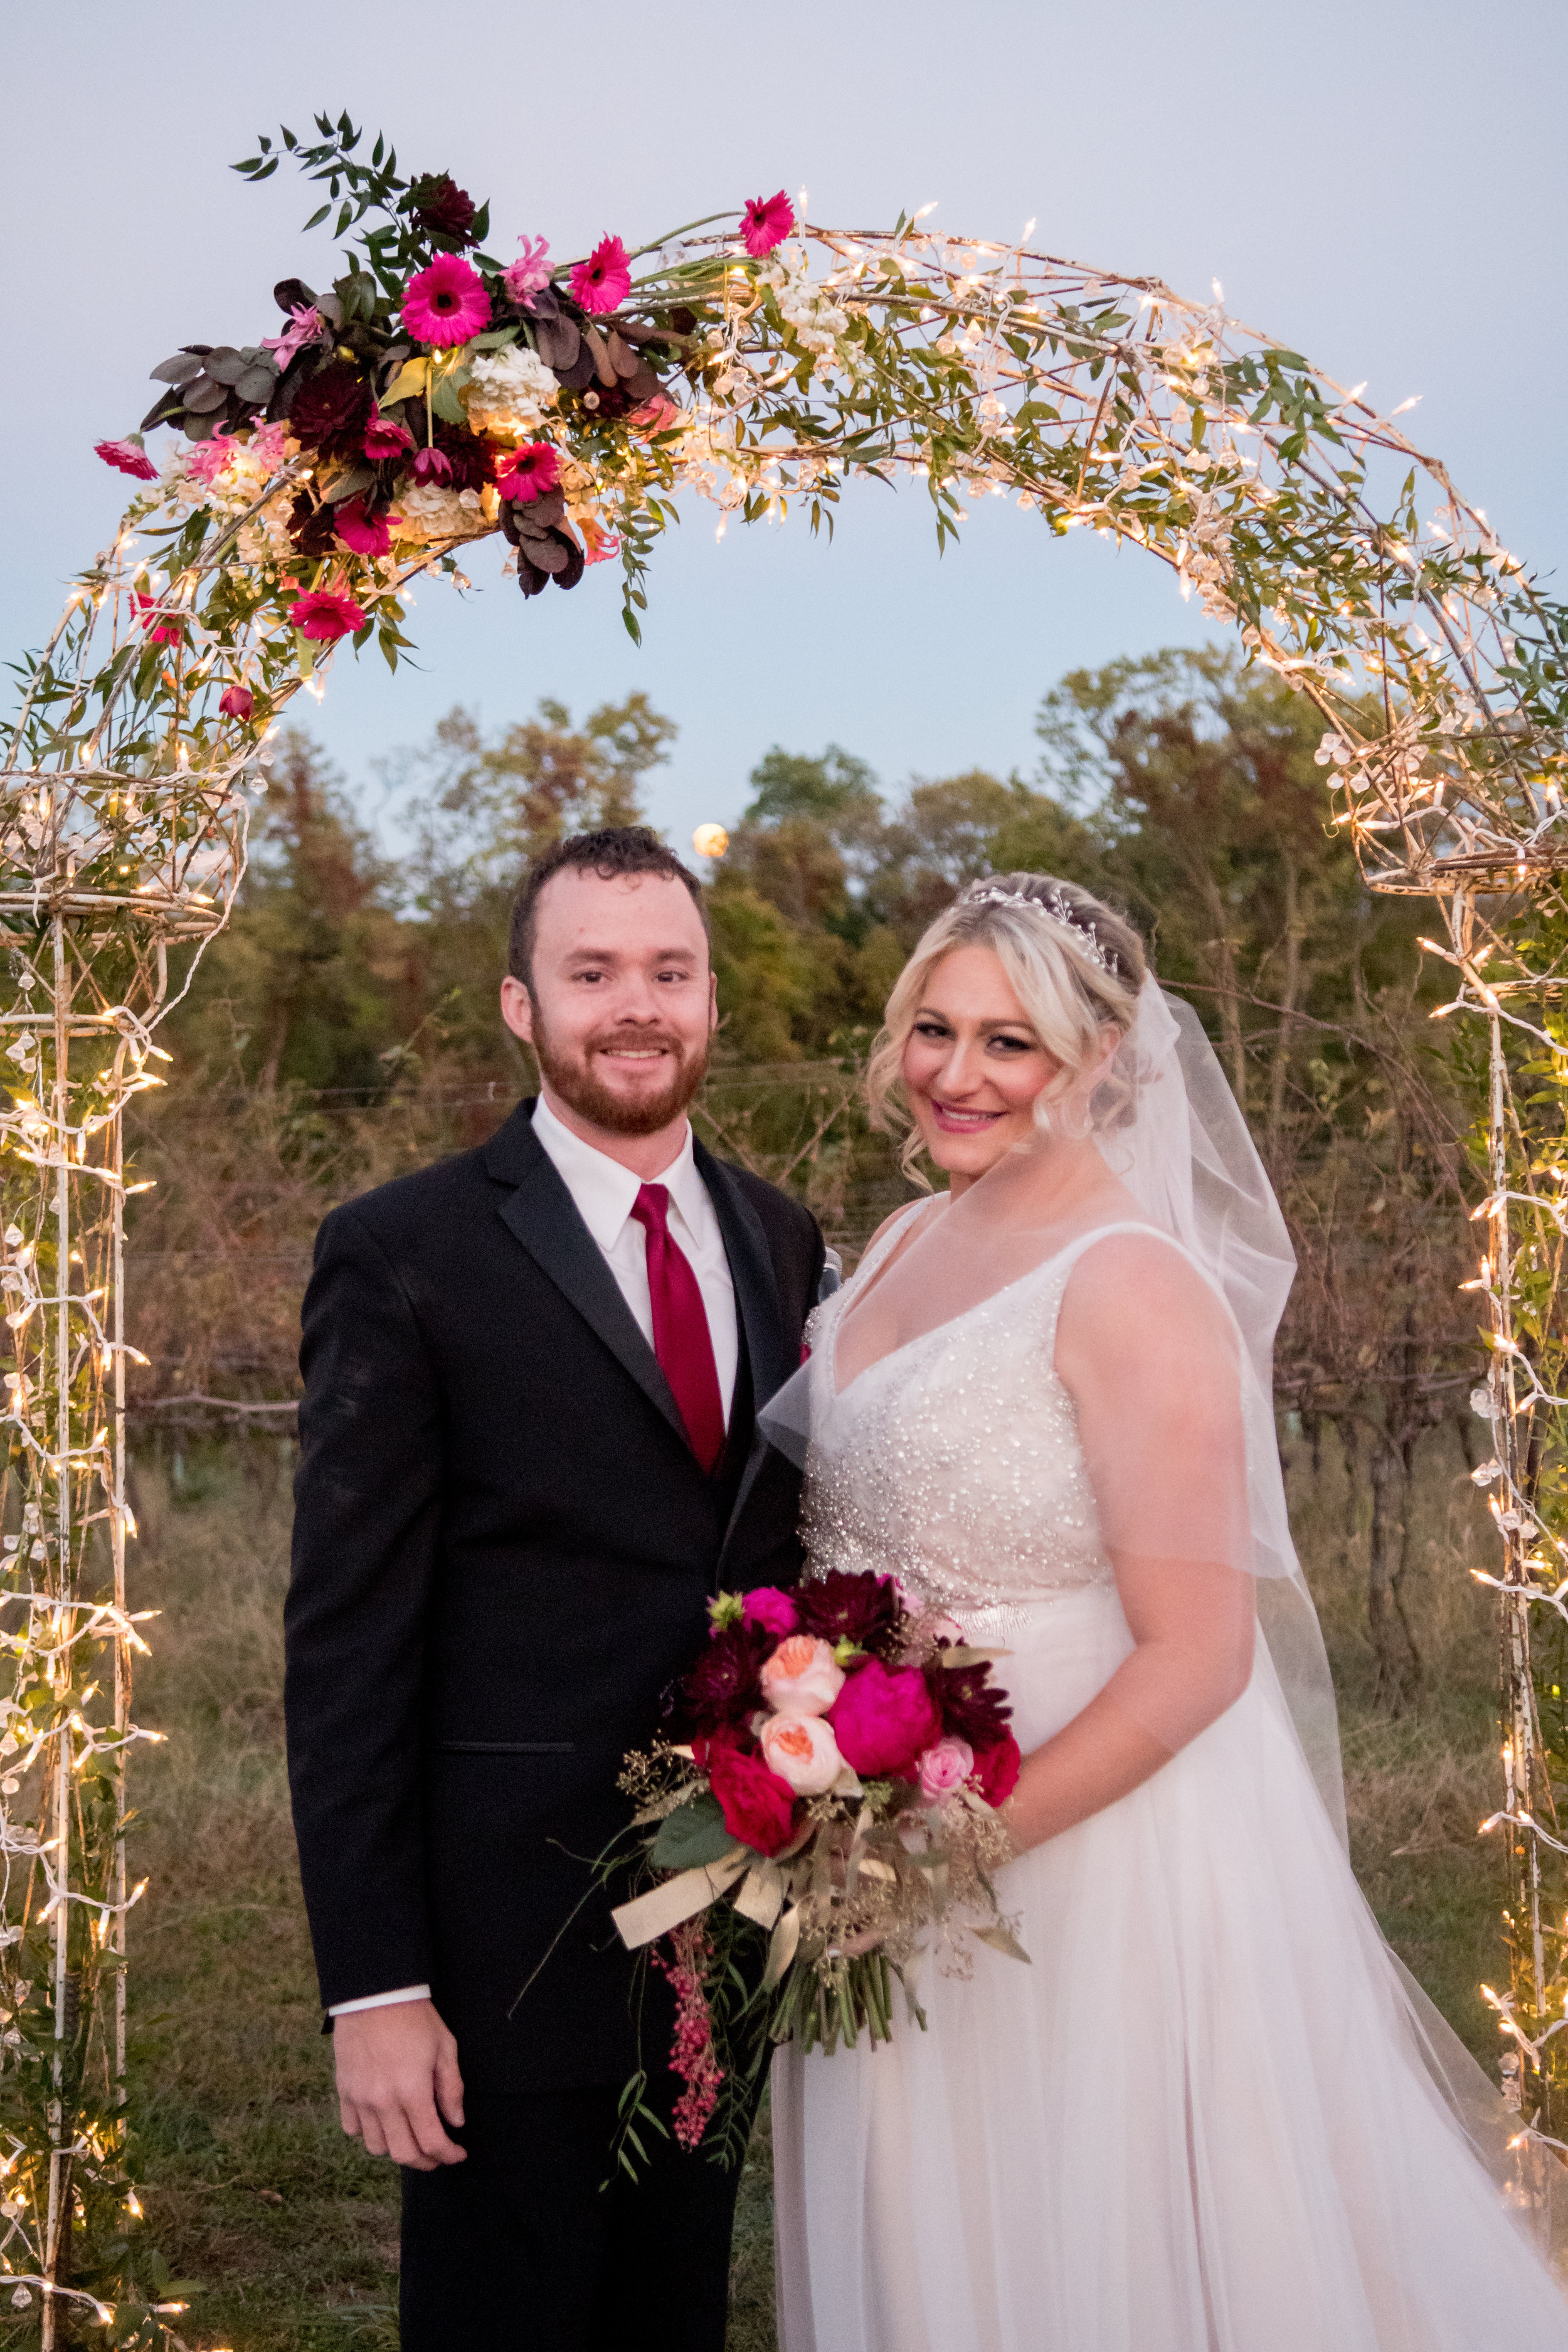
(757, 1302)
(541, 1213)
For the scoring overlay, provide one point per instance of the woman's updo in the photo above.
(1075, 967)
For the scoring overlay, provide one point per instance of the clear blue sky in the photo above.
(1379, 184)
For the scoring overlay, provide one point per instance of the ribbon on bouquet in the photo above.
(679, 1898)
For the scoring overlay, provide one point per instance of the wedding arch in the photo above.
(432, 396)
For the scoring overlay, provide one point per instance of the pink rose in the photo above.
(945, 1767)
(884, 1718)
(802, 1751)
(237, 702)
(996, 1769)
(773, 1611)
(757, 1805)
(801, 1676)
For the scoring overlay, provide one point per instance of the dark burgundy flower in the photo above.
(472, 461)
(970, 1703)
(331, 410)
(313, 529)
(843, 1607)
(439, 205)
(722, 1687)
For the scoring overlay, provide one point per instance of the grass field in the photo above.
(250, 2185)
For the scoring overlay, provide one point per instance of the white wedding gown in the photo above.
(1206, 2117)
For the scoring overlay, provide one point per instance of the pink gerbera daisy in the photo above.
(445, 303)
(322, 614)
(533, 469)
(766, 222)
(129, 456)
(605, 280)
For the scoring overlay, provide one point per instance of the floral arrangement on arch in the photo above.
(430, 395)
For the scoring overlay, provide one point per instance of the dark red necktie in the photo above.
(681, 1339)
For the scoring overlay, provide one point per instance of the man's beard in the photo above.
(578, 1087)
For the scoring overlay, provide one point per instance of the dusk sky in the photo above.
(1380, 186)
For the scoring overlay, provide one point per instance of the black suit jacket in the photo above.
(503, 1548)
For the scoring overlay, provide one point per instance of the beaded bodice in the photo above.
(953, 1461)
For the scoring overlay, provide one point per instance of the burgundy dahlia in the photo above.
(439, 205)
(843, 1607)
(722, 1687)
(471, 460)
(970, 1703)
(332, 411)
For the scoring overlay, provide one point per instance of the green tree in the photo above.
(315, 978)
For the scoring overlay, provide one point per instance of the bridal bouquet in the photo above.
(832, 1782)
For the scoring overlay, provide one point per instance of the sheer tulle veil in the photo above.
(1182, 1150)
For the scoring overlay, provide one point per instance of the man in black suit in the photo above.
(528, 1457)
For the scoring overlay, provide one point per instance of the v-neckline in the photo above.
(1119, 1225)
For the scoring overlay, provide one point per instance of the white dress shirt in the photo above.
(605, 1193)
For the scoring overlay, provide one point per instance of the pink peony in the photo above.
(884, 1718)
(801, 1676)
(945, 1767)
(773, 1611)
(385, 437)
(306, 325)
(605, 280)
(996, 1769)
(531, 472)
(432, 466)
(128, 455)
(445, 303)
(237, 702)
(766, 222)
(529, 274)
(159, 626)
(802, 1751)
(324, 615)
(367, 534)
(757, 1805)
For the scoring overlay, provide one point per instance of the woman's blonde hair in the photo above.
(1076, 968)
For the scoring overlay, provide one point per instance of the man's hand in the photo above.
(397, 2077)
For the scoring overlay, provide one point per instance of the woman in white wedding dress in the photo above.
(1210, 2115)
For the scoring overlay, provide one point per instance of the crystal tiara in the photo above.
(1053, 908)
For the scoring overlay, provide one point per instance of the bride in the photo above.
(1210, 2115)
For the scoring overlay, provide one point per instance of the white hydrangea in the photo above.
(431, 512)
(509, 390)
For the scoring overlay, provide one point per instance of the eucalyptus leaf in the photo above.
(693, 1834)
(445, 402)
(184, 368)
(349, 486)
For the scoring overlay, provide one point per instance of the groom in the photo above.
(528, 1456)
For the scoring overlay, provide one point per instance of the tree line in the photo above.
(343, 1026)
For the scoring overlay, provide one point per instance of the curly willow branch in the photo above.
(1283, 501)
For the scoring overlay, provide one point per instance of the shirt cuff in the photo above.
(380, 2000)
